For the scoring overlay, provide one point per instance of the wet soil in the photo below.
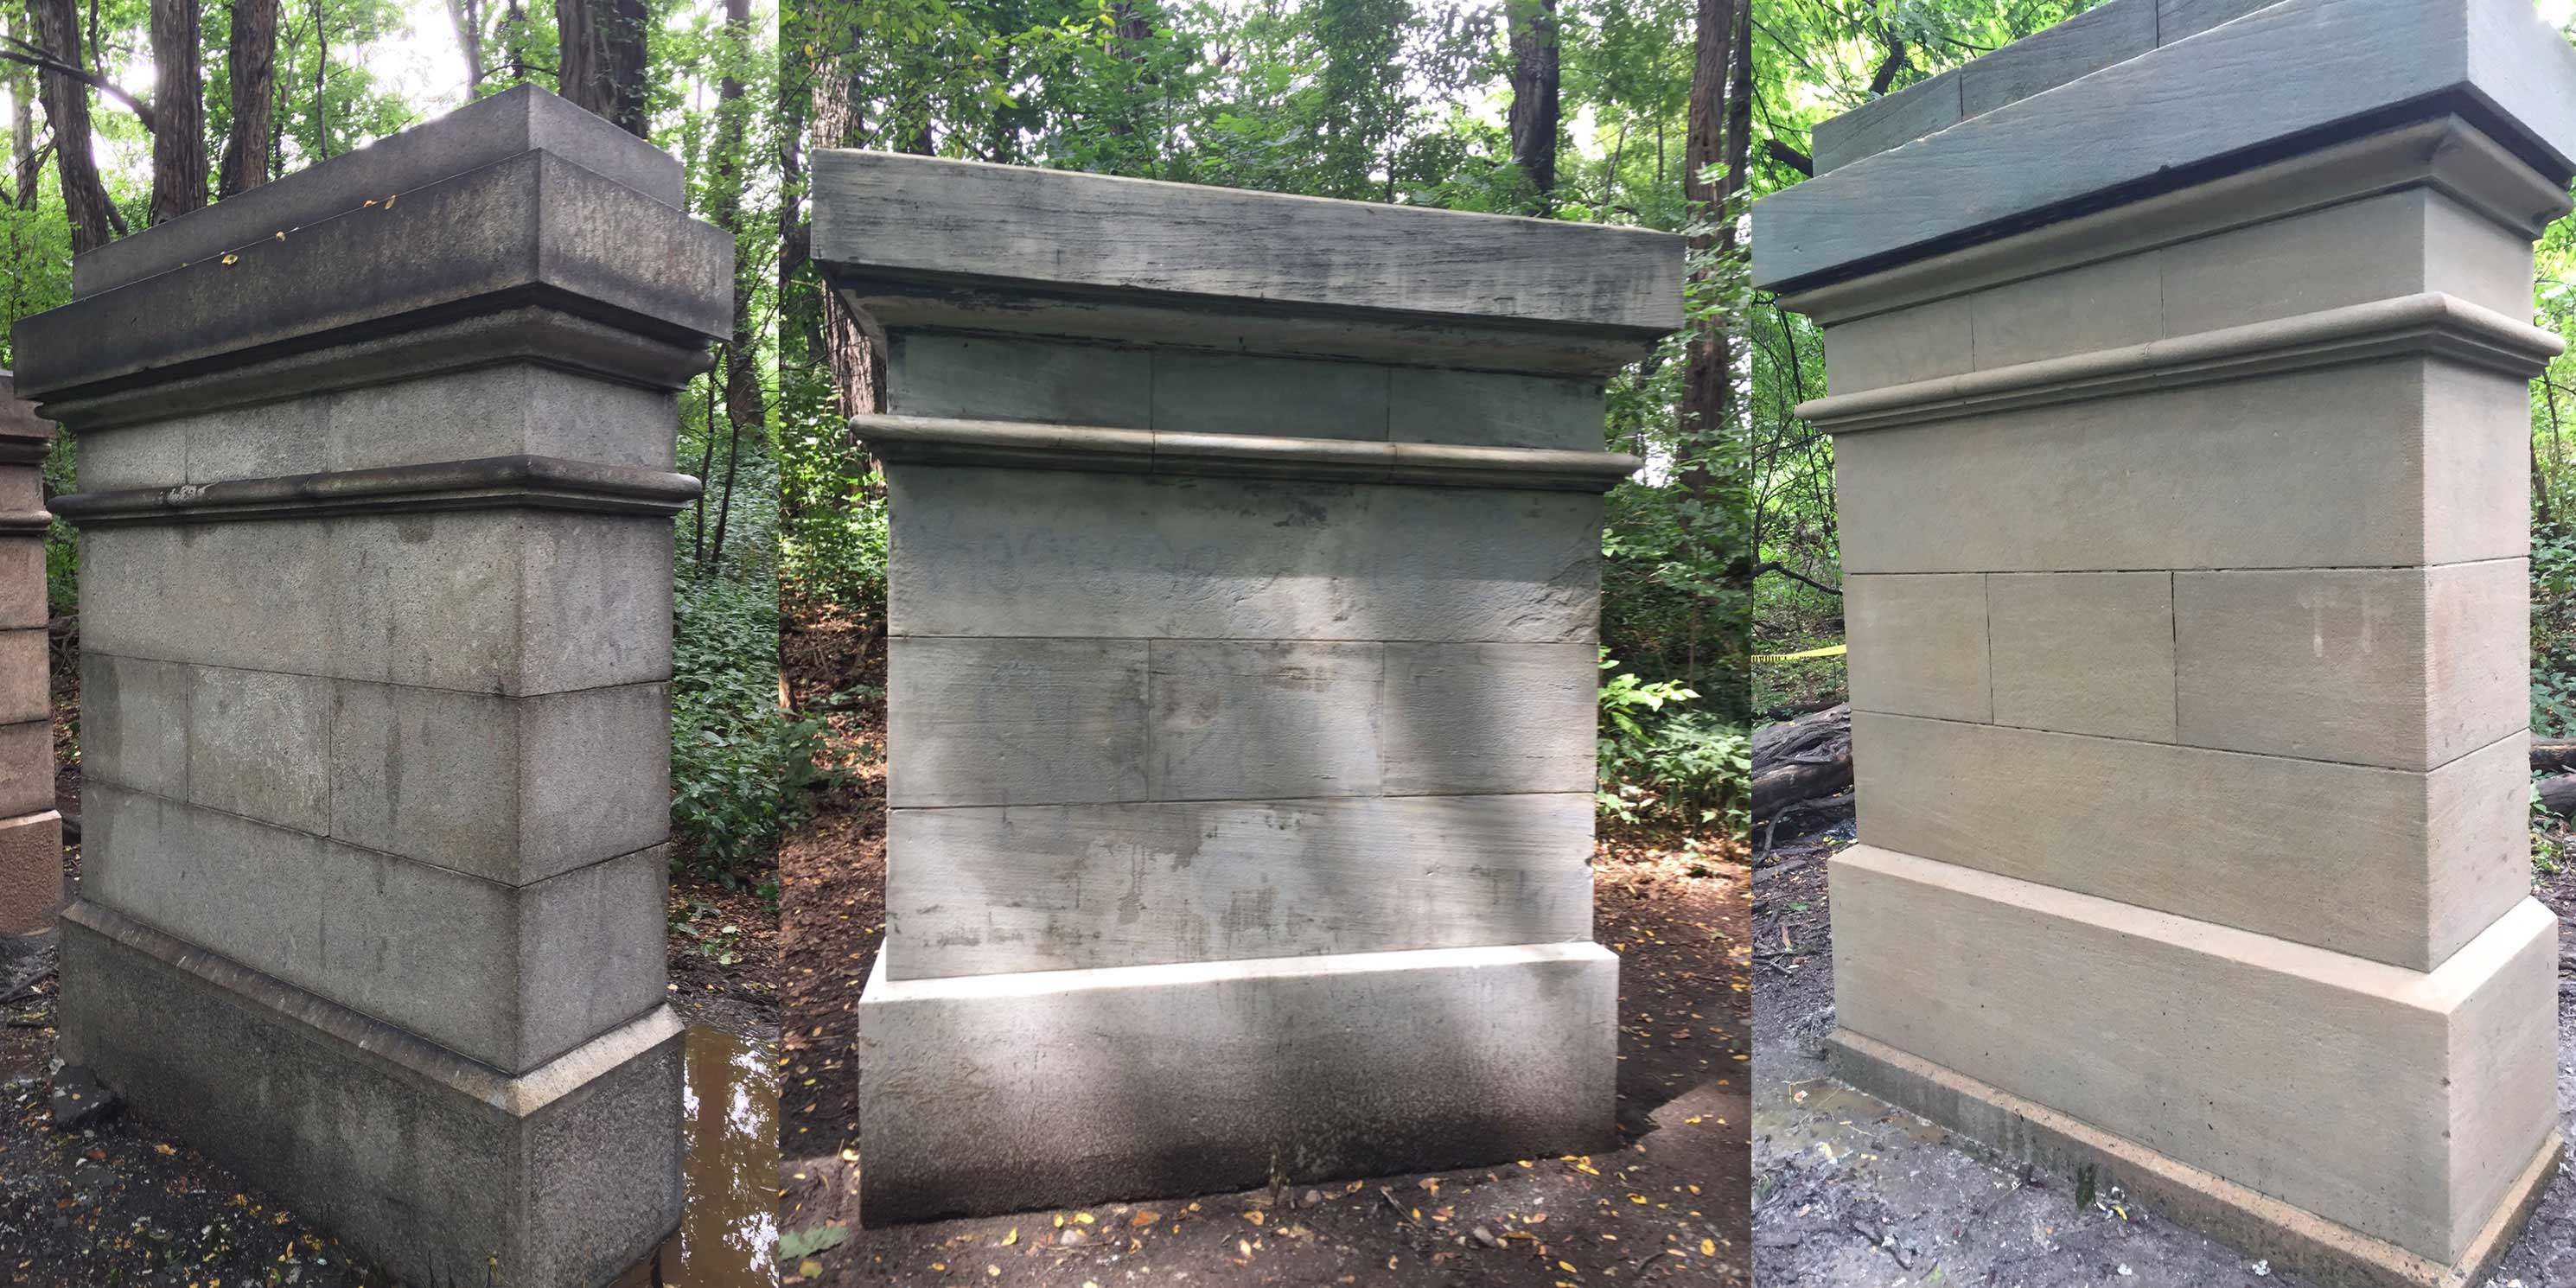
(1667, 1206)
(1849, 1191)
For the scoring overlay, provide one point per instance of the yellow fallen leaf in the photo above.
(994, 1271)
(1144, 1217)
(1059, 1220)
(229, 261)
(1243, 1246)
(1084, 1217)
(1012, 1237)
(1708, 1247)
(1253, 1216)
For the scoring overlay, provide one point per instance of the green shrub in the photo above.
(1684, 766)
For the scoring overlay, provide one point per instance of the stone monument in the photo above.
(31, 832)
(376, 593)
(1244, 606)
(2178, 362)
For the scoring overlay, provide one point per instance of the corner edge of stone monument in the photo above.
(18, 417)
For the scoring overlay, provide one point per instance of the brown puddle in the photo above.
(728, 1234)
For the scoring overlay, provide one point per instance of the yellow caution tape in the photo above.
(1836, 650)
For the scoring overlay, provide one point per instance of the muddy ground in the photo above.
(124, 1203)
(1848, 1191)
(1666, 1207)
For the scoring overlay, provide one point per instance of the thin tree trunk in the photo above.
(1711, 349)
(1535, 100)
(321, 76)
(251, 62)
(743, 394)
(85, 201)
(467, 16)
(600, 63)
(856, 376)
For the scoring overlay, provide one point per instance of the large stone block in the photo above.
(988, 377)
(512, 790)
(2378, 465)
(429, 1165)
(1255, 721)
(1037, 554)
(2416, 1103)
(259, 745)
(1037, 888)
(26, 768)
(2419, 865)
(1919, 646)
(510, 409)
(1461, 719)
(510, 977)
(489, 601)
(2406, 667)
(998, 1092)
(2084, 652)
(1011, 721)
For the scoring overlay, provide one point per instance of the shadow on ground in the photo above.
(1849, 1191)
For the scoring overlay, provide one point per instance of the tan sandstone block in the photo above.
(2103, 305)
(2084, 652)
(1918, 646)
(2376, 248)
(2405, 667)
(2381, 465)
(31, 872)
(2387, 864)
(1900, 346)
(2399, 1103)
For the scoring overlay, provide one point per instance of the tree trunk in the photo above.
(1535, 99)
(178, 109)
(857, 378)
(743, 394)
(467, 16)
(67, 112)
(600, 51)
(1801, 760)
(251, 62)
(1710, 355)
(21, 84)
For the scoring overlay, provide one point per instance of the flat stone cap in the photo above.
(2138, 97)
(521, 119)
(890, 217)
(18, 418)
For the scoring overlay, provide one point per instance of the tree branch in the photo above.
(1793, 575)
(21, 52)
(1789, 156)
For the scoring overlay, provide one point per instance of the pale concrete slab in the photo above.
(2422, 863)
(999, 1092)
(2084, 652)
(1919, 645)
(2410, 668)
(1038, 888)
(1929, 958)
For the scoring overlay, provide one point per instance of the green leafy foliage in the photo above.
(1662, 760)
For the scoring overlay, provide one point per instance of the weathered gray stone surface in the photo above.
(2339, 63)
(377, 589)
(445, 1172)
(1084, 886)
(1026, 553)
(1243, 602)
(1009, 1091)
(2179, 393)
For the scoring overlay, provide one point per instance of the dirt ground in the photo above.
(124, 1203)
(1666, 1207)
(1849, 1191)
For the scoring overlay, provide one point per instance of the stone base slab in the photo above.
(2397, 1103)
(999, 1093)
(31, 872)
(2292, 1238)
(440, 1170)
